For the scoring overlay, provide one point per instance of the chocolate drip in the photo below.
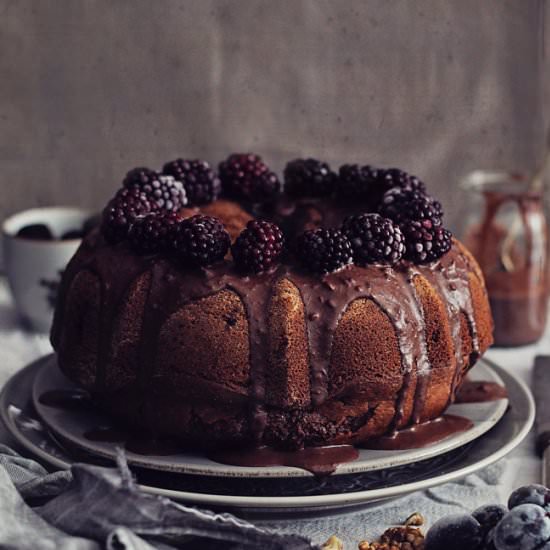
(423, 364)
(116, 270)
(404, 310)
(320, 461)
(325, 300)
(255, 293)
(421, 435)
(114, 290)
(450, 276)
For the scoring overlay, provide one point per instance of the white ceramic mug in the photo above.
(34, 266)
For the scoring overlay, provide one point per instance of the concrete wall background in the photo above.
(89, 89)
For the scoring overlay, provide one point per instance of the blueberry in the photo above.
(455, 532)
(526, 527)
(489, 515)
(534, 494)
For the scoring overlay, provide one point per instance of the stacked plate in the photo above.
(56, 435)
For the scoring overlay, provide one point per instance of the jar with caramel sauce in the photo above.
(507, 232)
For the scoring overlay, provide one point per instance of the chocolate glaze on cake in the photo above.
(285, 358)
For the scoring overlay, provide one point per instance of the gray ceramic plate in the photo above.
(284, 495)
(71, 425)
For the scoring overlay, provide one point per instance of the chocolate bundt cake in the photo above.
(302, 335)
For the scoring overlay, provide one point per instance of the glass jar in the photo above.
(506, 230)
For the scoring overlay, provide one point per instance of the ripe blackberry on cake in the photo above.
(374, 239)
(200, 240)
(258, 247)
(140, 177)
(165, 191)
(402, 205)
(309, 178)
(201, 184)
(154, 232)
(355, 182)
(368, 184)
(389, 178)
(442, 242)
(244, 176)
(121, 212)
(425, 243)
(323, 250)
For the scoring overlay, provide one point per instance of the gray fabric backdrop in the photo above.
(91, 88)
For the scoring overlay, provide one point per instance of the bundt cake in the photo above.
(301, 335)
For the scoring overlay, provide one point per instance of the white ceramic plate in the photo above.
(71, 425)
(21, 420)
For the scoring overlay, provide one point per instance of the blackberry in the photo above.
(258, 247)
(121, 212)
(323, 250)
(442, 242)
(389, 178)
(200, 240)
(402, 205)
(369, 184)
(154, 232)
(265, 187)
(201, 184)
(139, 177)
(356, 182)
(374, 239)
(245, 176)
(309, 178)
(423, 242)
(165, 191)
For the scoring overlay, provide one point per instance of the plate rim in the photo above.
(213, 469)
(311, 501)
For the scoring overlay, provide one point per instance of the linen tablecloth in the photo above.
(18, 347)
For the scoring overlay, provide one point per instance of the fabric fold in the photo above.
(93, 507)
